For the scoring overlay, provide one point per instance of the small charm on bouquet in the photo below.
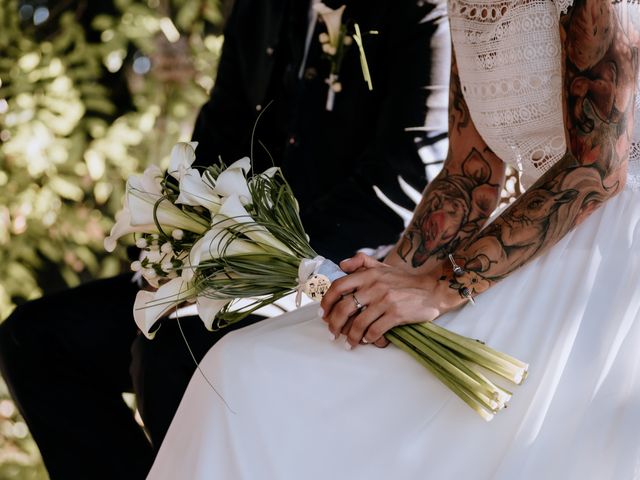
(315, 277)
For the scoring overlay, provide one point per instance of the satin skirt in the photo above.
(291, 404)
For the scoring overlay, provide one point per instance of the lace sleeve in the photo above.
(563, 6)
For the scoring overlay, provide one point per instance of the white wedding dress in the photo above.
(299, 406)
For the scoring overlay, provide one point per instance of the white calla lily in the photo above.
(233, 181)
(333, 21)
(233, 209)
(142, 207)
(123, 227)
(150, 181)
(214, 244)
(243, 164)
(268, 173)
(208, 308)
(194, 191)
(183, 155)
(149, 307)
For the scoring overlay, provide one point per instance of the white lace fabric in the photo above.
(509, 62)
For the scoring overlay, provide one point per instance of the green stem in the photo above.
(485, 413)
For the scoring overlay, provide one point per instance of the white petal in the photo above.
(142, 205)
(214, 244)
(149, 307)
(332, 19)
(208, 308)
(268, 173)
(123, 227)
(244, 164)
(151, 180)
(193, 191)
(183, 155)
(233, 209)
(232, 181)
(271, 172)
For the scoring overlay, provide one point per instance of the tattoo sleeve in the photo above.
(458, 202)
(600, 62)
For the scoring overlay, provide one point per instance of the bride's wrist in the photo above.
(446, 287)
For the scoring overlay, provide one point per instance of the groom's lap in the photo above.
(66, 360)
(68, 357)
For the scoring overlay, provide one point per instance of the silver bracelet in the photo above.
(458, 271)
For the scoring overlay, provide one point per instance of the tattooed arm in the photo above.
(458, 202)
(454, 207)
(600, 69)
(600, 62)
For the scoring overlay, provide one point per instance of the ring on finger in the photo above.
(356, 301)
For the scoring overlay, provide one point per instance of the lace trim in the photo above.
(481, 11)
(492, 11)
(509, 61)
(633, 173)
(563, 6)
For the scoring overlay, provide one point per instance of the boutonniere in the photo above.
(335, 42)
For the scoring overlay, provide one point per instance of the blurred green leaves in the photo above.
(87, 97)
(68, 146)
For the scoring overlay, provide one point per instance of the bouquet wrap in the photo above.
(315, 277)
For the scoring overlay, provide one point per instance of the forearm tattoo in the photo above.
(600, 73)
(458, 202)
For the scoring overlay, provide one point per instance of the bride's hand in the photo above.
(392, 297)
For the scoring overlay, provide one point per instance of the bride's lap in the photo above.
(574, 314)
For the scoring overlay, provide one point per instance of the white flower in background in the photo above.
(195, 191)
(149, 307)
(333, 20)
(233, 181)
(208, 308)
(183, 155)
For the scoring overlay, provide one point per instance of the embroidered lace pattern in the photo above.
(633, 175)
(509, 62)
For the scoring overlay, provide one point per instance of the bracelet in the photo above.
(458, 271)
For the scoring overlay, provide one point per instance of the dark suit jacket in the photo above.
(332, 159)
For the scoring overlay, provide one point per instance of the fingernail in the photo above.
(332, 337)
(347, 346)
(321, 312)
(365, 341)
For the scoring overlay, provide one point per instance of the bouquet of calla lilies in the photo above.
(232, 242)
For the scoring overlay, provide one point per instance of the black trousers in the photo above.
(67, 358)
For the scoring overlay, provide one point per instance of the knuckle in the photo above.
(358, 327)
(375, 332)
(388, 297)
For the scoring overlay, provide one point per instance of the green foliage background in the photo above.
(93, 93)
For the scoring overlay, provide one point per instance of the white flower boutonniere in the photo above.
(335, 42)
